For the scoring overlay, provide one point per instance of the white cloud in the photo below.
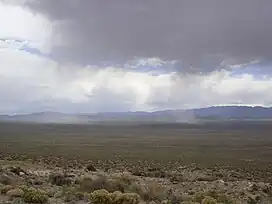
(32, 83)
(18, 23)
(153, 61)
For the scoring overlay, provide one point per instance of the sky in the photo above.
(101, 56)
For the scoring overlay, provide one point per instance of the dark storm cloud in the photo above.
(199, 32)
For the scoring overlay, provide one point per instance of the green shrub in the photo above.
(223, 198)
(150, 192)
(137, 172)
(176, 179)
(127, 198)
(176, 197)
(253, 199)
(115, 197)
(59, 179)
(199, 197)
(17, 192)
(126, 178)
(6, 180)
(100, 197)
(89, 185)
(72, 194)
(208, 200)
(32, 195)
(5, 189)
(90, 167)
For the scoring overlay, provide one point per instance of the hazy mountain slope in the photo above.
(193, 115)
(239, 112)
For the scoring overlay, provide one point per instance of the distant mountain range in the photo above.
(215, 113)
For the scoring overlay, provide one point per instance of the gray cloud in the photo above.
(204, 36)
(201, 33)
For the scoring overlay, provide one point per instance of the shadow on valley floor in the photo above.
(207, 144)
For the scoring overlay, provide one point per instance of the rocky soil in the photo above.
(56, 181)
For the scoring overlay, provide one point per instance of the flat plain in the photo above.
(210, 143)
(243, 148)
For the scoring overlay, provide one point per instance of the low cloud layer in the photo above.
(33, 83)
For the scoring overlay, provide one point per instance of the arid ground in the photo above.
(185, 163)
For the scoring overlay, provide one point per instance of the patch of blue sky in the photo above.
(34, 51)
(23, 45)
(260, 70)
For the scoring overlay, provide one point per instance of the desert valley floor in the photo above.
(159, 163)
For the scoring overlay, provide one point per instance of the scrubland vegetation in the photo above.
(130, 165)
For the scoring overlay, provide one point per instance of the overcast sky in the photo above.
(127, 55)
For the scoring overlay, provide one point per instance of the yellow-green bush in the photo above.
(71, 194)
(115, 197)
(128, 198)
(32, 195)
(102, 196)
